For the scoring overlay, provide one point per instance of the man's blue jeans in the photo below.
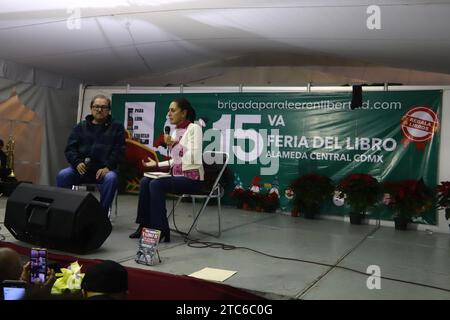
(108, 185)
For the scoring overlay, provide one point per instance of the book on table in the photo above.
(157, 175)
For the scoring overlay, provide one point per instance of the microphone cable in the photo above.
(194, 243)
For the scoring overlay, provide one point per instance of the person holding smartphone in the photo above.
(39, 276)
(13, 277)
(38, 265)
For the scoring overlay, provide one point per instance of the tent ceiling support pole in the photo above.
(81, 89)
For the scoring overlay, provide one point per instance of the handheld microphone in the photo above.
(87, 161)
(167, 130)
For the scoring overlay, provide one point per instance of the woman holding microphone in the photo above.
(185, 165)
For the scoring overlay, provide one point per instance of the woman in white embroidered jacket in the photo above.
(185, 146)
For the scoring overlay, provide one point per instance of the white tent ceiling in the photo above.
(126, 41)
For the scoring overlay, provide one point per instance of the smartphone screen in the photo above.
(13, 290)
(38, 265)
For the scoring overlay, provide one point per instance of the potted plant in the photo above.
(271, 202)
(361, 191)
(310, 191)
(255, 201)
(409, 198)
(443, 197)
(272, 197)
(241, 195)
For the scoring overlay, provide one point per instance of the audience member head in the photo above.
(107, 278)
(10, 265)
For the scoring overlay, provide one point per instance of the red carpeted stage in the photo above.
(152, 285)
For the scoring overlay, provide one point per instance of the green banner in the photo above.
(284, 135)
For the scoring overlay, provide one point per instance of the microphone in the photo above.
(87, 160)
(167, 130)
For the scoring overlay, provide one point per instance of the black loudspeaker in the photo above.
(56, 218)
(356, 97)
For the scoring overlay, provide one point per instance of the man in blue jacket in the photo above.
(94, 150)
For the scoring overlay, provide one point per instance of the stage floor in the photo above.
(323, 245)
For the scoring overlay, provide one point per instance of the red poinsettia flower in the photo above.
(311, 190)
(360, 190)
(443, 197)
(410, 197)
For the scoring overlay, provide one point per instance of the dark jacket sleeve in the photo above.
(72, 153)
(118, 149)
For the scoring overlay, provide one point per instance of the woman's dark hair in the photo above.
(184, 104)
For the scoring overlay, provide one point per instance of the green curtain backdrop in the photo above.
(284, 135)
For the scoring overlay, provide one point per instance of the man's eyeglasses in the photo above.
(96, 106)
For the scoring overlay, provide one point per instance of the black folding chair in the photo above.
(214, 164)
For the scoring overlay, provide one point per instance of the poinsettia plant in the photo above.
(360, 190)
(311, 190)
(409, 198)
(256, 199)
(443, 197)
(241, 195)
(271, 201)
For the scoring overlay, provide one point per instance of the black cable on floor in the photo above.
(193, 243)
(217, 245)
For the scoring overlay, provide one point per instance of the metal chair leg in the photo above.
(197, 216)
(219, 213)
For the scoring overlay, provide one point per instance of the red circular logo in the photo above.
(419, 124)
